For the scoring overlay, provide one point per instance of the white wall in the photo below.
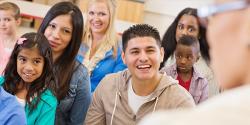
(161, 13)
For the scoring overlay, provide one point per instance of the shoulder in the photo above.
(169, 68)
(10, 104)
(112, 81)
(80, 70)
(1, 80)
(198, 75)
(48, 98)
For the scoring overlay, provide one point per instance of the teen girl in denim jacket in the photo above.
(63, 27)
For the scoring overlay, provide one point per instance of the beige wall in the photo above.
(161, 13)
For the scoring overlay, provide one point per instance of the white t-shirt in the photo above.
(135, 101)
(22, 102)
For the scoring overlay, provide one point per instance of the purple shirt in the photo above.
(198, 86)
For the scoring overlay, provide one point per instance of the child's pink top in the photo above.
(4, 57)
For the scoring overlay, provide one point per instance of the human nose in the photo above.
(183, 60)
(143, 57)
(28, 67)
(184, 32)
(56, 33)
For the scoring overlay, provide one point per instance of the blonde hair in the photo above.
(11, 6)
(110, 36)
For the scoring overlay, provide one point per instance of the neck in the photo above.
(145, 87)
(185, 75)
(23, 90)
(9, 38)
(55, 56)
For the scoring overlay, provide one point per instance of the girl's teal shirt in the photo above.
(44, 113)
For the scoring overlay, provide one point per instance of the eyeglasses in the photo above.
(207, 11)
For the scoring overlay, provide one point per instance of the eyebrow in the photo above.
(148, 47)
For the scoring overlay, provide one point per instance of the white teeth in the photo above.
(27, 74)
(143, 66)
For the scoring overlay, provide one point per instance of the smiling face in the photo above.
(29, 64)
(98, 17)
(187, 25)
(143, 57)
(59, 34)
(8, 23)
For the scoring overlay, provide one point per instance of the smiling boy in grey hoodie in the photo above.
(125, 97)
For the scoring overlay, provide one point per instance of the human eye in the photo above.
(102, 14)
(151, 50)
(180, 26)
(134, 52)
(177, 56)
(21, 59)
(37, 61)
(52, 26)
(191, 29)
(91, 13)
(66, 31)
(7, 19)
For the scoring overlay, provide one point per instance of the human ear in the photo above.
(198, 57)
(18, 21)
(162, 52)
(123, 57)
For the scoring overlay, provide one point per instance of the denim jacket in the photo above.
(73, 108)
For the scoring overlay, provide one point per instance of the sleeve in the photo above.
(181, 97)
(96, 112)
(82, 100)
(204, 94)
(18, 118)
(48, 112)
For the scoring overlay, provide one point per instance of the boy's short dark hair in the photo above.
(188, 40)
(140, 30)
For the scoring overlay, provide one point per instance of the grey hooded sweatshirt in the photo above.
(110, 106)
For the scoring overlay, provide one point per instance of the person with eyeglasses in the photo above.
(228, 28)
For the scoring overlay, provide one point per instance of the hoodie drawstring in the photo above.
(113, 113)
(155, 104)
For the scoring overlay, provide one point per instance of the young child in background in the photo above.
(29, 76)
(186, 55)
(9, 21)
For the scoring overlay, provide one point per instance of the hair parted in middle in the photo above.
(169, 40)
(64, 66)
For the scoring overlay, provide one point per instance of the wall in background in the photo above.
(161, 13)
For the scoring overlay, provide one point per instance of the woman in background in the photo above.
(63, 27)
(186, 23)
(100, 50)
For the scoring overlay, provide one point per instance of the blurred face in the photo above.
(98, 17)
(187, 25)
(185, 56)
(143, 57)
(59, 33)
(29, 64)
(228, 43)
(8, 23)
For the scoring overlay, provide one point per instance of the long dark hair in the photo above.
(47, 80)
(169, 40)
(64, 65)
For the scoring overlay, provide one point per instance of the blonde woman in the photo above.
(100, 51)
